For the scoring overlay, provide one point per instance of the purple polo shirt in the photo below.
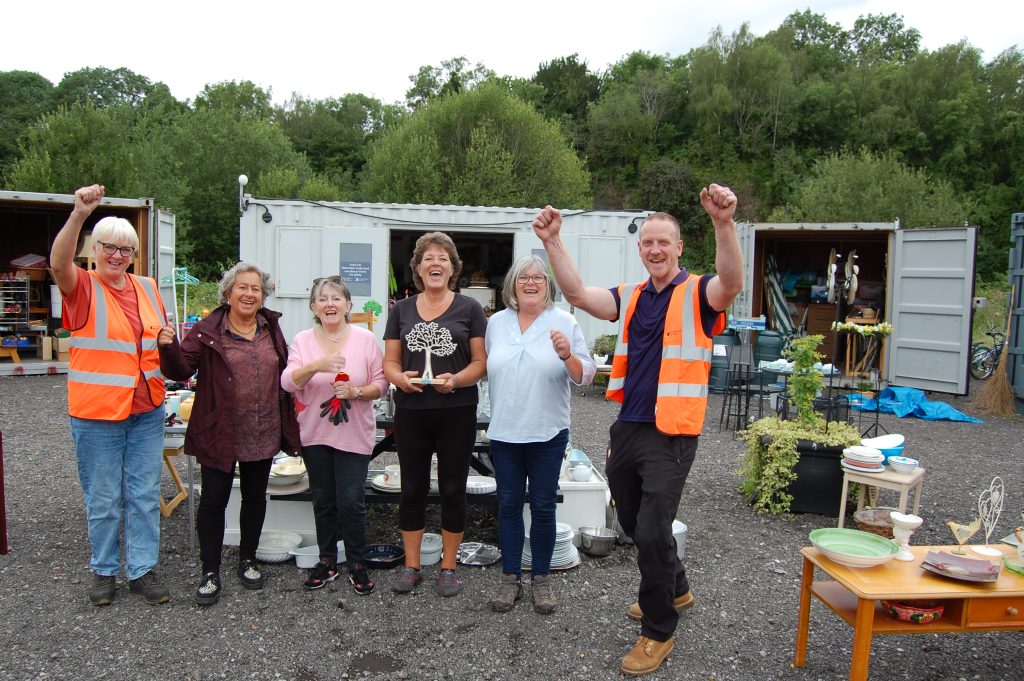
(646, 329)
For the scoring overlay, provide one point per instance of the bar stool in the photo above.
(890, 479)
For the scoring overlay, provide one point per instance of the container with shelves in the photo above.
(13, 305)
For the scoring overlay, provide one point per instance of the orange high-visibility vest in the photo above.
(105, 364)
(686, 353)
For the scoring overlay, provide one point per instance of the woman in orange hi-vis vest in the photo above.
(660, 376)
(115, 397)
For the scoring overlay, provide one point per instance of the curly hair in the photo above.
(228, 281)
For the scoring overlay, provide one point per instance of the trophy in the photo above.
(432, 339)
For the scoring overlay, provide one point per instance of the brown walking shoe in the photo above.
(682, 603)
(646, 656)
(543, 594)
(510, 591)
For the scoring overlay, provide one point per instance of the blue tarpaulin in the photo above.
(912, 402)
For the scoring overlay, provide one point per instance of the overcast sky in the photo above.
(326, 49)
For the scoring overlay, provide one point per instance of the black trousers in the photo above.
(214, 499)
(646, 472)
(418, 434)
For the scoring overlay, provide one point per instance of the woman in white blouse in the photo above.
(534, 350)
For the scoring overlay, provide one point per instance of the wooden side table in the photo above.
(890, 479)
(853, 594)
(175, 446)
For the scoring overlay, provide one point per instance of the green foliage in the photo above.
(605, 345)
(993, 317)
(280, 183)
(452, 77)
(868, 187)
(105, 87)
(767, 465)
(472, 147)
(24, 97)
(242, 100)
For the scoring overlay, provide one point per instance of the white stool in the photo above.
(890, 479)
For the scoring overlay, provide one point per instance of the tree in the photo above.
(110, 87)
(569, 90)
(433, 155)
(671, 186)
(884, 38)
(24, 97)
(243, 100)
(452, 77)
(865, 187)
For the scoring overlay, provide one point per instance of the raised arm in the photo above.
(599, 302)
(720, 204)
(62, 254)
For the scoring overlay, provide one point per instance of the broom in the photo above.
(996, 397)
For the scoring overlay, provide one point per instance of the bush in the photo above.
(605, 345)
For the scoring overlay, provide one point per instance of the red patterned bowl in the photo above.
(918, 612)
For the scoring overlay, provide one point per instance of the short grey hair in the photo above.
(508, 292)
(113, 230)
(335, 282)
(228, 281)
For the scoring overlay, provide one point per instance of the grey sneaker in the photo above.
(543, 594)
(102, 590)
(150, 588)
(406, 580)
(510, 591)
(448, 583)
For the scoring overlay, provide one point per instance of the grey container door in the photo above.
(163, 253)
(931, 284)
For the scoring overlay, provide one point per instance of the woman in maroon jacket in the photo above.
(240, 415)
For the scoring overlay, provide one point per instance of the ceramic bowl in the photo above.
(276, 545)
(890, 445)
(383, 556)
(306, 557)
(853, 548)
(283, 480)
(902, 464)
(918, 612)
(597, 541)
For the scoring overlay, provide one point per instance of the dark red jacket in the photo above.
(210, 436)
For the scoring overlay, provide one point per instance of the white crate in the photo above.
(583, 503)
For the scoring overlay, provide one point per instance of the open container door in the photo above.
(163, 230)
(931, 284)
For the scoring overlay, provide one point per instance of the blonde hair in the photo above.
(227, 282)
(335, 282)
(111, 230)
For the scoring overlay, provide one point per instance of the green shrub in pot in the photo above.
(767, 467)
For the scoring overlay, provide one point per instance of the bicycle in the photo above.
(984, 358)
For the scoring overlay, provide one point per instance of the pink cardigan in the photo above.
(364, 365)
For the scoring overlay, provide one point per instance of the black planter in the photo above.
(818, 486)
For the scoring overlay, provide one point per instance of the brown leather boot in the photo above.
(646, 656)
(511, 590)
(682, 603)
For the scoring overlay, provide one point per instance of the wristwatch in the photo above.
(359, 393)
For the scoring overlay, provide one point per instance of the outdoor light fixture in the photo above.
(632, 226)
(244, 202)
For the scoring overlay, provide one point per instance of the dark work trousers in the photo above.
(418, 434)
(646, 472)
(337, 481)
(253, 477)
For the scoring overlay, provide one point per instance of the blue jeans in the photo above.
(119, 466)
(337, 481)
(515, 466)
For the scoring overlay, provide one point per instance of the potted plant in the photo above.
(793, 465)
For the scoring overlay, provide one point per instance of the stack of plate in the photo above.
(860, 459)
(564, 556)
(960, 567)
(480, 484)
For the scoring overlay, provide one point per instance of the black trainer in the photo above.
(208, 592)
(321, 573)
(250, 575)
(102, 590)
(150, 588)
(360, 580)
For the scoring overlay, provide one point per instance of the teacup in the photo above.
(393, 474)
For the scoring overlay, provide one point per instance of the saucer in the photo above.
(381, 485)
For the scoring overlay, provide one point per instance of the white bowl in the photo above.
(283, 480)
(902, 464)
(276, 545)
(306, 557)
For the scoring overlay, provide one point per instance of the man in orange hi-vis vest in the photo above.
(660, 376)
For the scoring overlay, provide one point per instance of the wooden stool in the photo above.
(173, 447)
(890, 479)
(10, 351)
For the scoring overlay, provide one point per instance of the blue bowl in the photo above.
(894, 451)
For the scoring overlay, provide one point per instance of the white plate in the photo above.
(854, 469)
(480, 484)
(379, 484)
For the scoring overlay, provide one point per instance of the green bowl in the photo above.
(853, 548)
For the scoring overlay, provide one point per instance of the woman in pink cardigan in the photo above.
(336, 360)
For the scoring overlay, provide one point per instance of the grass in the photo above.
(992, 317)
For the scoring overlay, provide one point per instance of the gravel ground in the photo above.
(744, 568)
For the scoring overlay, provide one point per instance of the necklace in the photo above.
(239, 331)
(443, 303)
(336, 339)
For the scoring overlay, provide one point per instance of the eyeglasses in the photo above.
(334, 279)
(111, 249)
(532, 278)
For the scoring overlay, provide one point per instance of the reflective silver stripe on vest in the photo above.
(93, 378)
(150, 291)
(616, 383)
(148, 343)
(101, 344)
(152, 373)
(689, 350)
(689, 353)
(682, 390)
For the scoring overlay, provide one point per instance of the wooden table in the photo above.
(889, 479)
(853, 594)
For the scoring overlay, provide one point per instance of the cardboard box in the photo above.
(61, 345)
(45, 349)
